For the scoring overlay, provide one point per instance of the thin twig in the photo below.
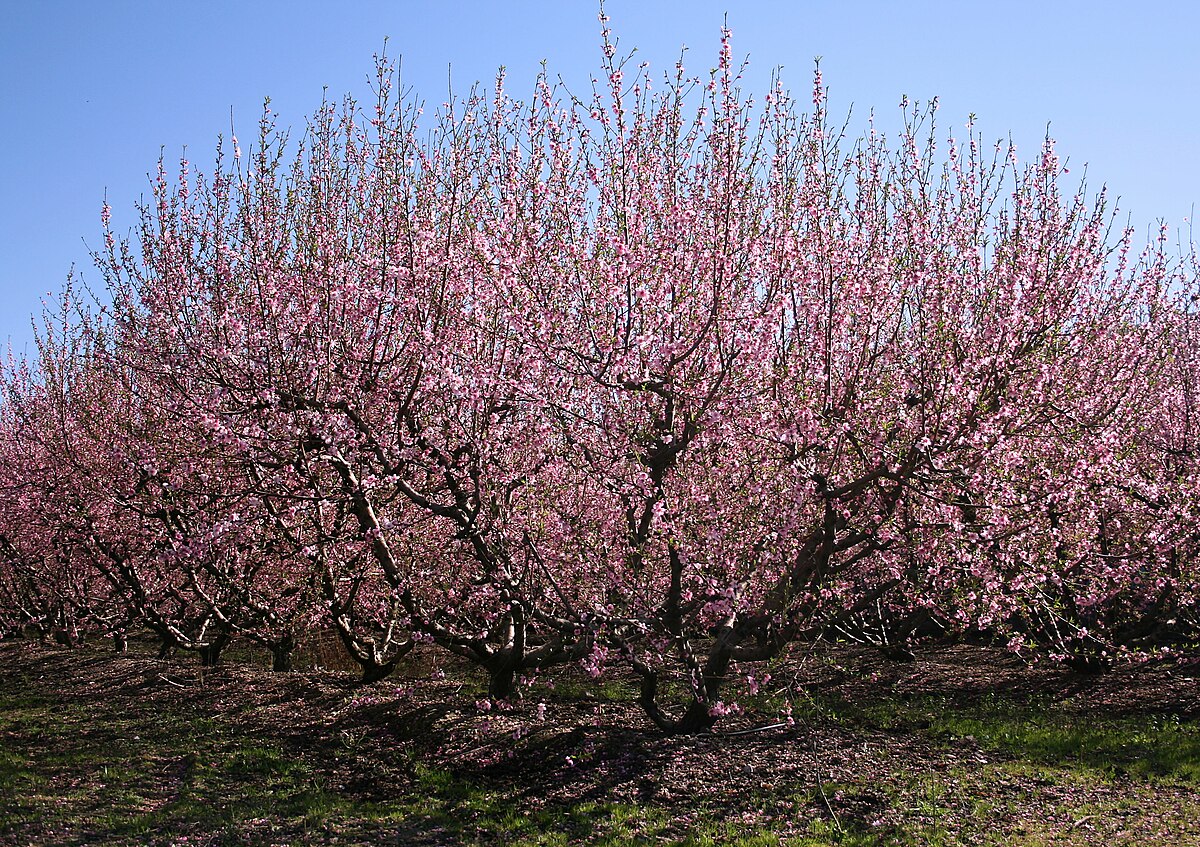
(751, 730)
(821, 787)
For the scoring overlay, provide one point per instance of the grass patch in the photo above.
(151, 754)
(1146, 746)
(1039, 730)
(176, 771)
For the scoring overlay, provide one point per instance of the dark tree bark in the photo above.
(282, 653)
(210, 652)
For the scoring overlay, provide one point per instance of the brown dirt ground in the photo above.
(852, 763)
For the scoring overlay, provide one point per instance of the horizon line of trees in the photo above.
(653, 378)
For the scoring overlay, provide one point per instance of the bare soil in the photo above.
(964, 745)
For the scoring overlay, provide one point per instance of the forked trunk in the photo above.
(210, 653)
(375, 671)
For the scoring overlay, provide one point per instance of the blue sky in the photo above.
(92, 90)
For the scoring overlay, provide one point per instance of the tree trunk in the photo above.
(502, 681)
(897, 653)
(698, 718)
(210, 653)
(282, 652)
(1087, 664)
(373, 672)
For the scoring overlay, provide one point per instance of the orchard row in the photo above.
(656, 378)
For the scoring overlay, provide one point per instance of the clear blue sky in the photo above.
(91, 91)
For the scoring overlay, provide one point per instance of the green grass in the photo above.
(1145, 746)
(78, 770)
(578, 687)
(1037, 730)
(106, 772)
(175, 771)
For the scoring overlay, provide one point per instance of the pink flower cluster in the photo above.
(656, 379)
